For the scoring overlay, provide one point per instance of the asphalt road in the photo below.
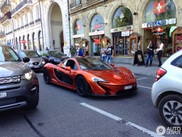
(62, 113)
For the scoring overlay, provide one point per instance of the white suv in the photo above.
(167, 90)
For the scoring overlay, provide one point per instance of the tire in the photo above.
(46, 76)
(170, 110)
(33, 103)
(81, 86)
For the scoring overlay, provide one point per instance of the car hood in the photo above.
(116, 75)
(13, 68)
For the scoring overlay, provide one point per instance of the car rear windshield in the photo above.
(177, 62)
(56, 54)
(29, 54)
(8, 54)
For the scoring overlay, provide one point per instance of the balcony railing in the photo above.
(75, 3)
(22, 4)
(2, 34)
(5, 5)
(38, 20)
(5, 17)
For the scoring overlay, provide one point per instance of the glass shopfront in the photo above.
(160, 19)
(78, 36)
(96, 34)
(121, 30)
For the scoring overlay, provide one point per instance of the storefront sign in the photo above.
(23, 41)
(159, 23)
(78, 36)
(126, 33)
(96, 33)
(126, 28)
(97, 26)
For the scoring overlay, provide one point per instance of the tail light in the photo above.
(160, 73)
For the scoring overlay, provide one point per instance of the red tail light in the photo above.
(160, 73)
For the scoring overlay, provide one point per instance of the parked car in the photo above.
(54, 56)
(167, 90)
(91, 76)
(36, 61)
(19, 86)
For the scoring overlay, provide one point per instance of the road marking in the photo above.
(144, 87)
(142, 78)
(127, 123)
(101, 111)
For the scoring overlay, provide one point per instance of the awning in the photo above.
(171, 30)
(84, 39)
(106, 37)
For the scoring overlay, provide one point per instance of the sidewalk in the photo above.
(150, 70)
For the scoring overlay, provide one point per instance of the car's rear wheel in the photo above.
(170, 109)
(81, 86)
(46, 76)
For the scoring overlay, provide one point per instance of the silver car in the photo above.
(36, 61)
(19, 86)
(167, 90)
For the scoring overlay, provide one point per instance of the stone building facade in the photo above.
(127, 24)
(35, 24)
(58, 24)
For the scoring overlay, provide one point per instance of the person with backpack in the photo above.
(110, 53)
(80, 51)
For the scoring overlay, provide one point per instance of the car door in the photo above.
(67, 72)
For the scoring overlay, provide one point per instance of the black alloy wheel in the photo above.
(81, 86)
(170, 109)
(46, 76)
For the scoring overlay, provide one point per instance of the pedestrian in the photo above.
(110, 53)
(159, 49)
(72, 51)
(150, 53)
(104, 53)
(80, 51)
(86, 50)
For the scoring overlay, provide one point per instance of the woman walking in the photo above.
(150, 53)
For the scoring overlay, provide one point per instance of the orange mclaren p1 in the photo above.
(91, 76)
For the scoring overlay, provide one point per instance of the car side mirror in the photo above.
(68, 68)
(112, 65)
(25, 59)
(51, 61)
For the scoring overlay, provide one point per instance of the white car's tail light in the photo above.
(160, 73)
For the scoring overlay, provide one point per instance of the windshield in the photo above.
(90, 63)
(56, 54)
(29, 54)
(7, 54)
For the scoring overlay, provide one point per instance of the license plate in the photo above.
(128, 87)
(3, 95)
(36, 66)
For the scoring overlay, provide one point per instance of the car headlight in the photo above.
(96, 79)
(28, 75)
(43, 61)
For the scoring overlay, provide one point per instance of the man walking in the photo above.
(110, 53)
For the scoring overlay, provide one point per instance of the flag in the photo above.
(159, 7)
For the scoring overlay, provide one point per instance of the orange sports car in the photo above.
(91, 76)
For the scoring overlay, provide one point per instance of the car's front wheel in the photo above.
(170, 109)
(33, 102)
(81, 86)
(46, 76)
